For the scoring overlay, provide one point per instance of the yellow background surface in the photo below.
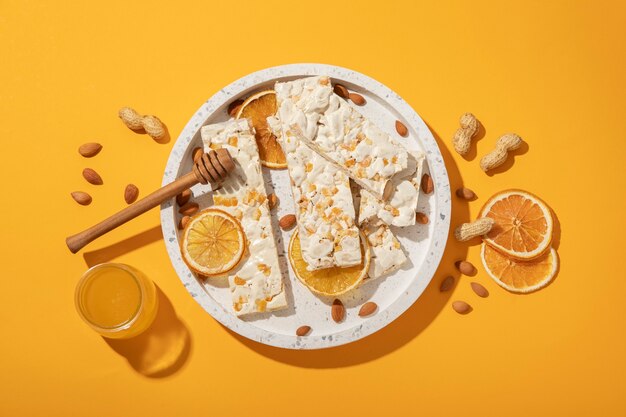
(554, 72)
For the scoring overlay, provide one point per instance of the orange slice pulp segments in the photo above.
(258, 108)
(523, 224)
(519, 276)
(213, 242)
(330, 281)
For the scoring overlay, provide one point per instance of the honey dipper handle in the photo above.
(212, 167)
(79, 240)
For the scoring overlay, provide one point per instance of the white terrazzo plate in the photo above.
(394, 294)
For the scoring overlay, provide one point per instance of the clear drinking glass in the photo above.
(116, 300)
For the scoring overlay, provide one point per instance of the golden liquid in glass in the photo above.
(116, 300)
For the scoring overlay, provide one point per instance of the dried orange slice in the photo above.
(330, 281)
(258, 108)
(523, 224)
(213, 242)
(519, 276)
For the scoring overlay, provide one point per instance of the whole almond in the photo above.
(368, 308)
(92, 176)
(479, 290)
(465, 193)
(233, 107)
(131, 193)
(461, 307)
(357, 99)
(341, 91)
(189, 209)
(89, 149)
(447, 284)
(303, 330)
(421, 218)
(272, 200)
(196, 153)
(427, 184)
(465, 268)
(337, 311)
(401, 129)
(183, 222)
(81, 198)
(183, 197)
(287, 221)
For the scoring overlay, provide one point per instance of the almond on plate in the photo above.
(368, 308)
(183, 197)
(341, 91)
(357, 99)
(427, 184)
(303, 330)
(337, 311)
(287, 221)
(401, 129)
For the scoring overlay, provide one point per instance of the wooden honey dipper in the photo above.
(212, 167)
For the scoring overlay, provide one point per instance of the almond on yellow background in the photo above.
(213, 242)
(258, 108)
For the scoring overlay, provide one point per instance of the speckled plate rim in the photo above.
(425, 271)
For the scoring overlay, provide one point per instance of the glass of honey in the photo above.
(116, 300)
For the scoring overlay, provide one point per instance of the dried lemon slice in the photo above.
(519, 276)
(258, 108)
(330, 281)
(213, 242)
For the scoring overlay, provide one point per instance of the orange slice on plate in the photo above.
(258, 108)
(523, 224)
(213, 242)
(519, 276)
(330, 281)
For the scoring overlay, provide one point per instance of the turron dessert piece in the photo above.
(387, 253)
(324, 207)
(256, 283)
(340, 134)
